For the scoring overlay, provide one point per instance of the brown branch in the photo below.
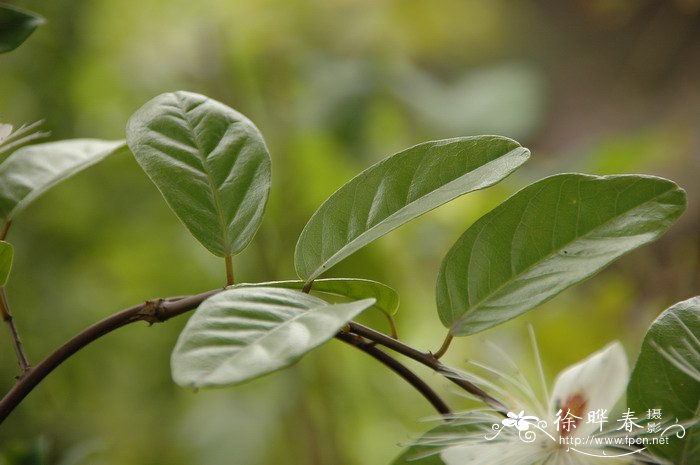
(151, 311)
(160, 310)
(428, 360)
(399, 369)
(6, 314)
(14, 334)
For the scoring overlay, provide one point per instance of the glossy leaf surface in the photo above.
(16, 25)
(209, 162)
(667, 377)
(243, 333)
(545, 238)
(399, 189)
(32, 170)
(6, 254)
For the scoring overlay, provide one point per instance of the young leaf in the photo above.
(6, 253)
(32, 170)
(545, 238)
(243, 333)
(209, 162)
(660, 379)
(398, 189)
(16, 25)
(387, 299)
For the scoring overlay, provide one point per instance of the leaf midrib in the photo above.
(205, 167)
(475, 308)
(323, 266)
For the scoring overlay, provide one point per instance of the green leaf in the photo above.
(243, 333)
(545, 238)
(666, 377)
(387, 299)
(6, 254)
(427, 449)
(11, 140)
(399, 189)
(16, 25)
(209, 162)
(32, 170)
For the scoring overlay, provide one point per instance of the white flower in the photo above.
(553, 432)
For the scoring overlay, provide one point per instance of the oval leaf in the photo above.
(398, 189)
(209, 162)
(32, 170)
(387, 299)
(6, 254)
(243, 333)
(667, 377)
(16, 25)
(545, 238)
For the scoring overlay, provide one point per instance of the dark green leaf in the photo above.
(32, 170)
(16, 25)
(209, 162)
(398, 189)
(547, 237)
(6, 253)
(243, 333)
(387, 300)
(667, 377)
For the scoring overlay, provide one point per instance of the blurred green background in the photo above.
(598, 86)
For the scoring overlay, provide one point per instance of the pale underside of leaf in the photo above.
(398, 189)
(547, 237)
(244, 333)
(30, 171)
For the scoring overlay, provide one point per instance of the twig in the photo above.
(428, 360)
(399, 369)
(160, 310)
(14, 334)
(151, 311)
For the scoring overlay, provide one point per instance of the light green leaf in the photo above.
(667, 377)
(16, 25)
(11, 139)
(243, 333)
(387, 299)
(398, 189)
(32, 170)
(6, 254)
(209, 162)
(427, 449)
(545, 238)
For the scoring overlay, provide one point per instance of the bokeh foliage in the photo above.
(334, 86)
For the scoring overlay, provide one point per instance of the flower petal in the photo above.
(594, 383)
(512, 452)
